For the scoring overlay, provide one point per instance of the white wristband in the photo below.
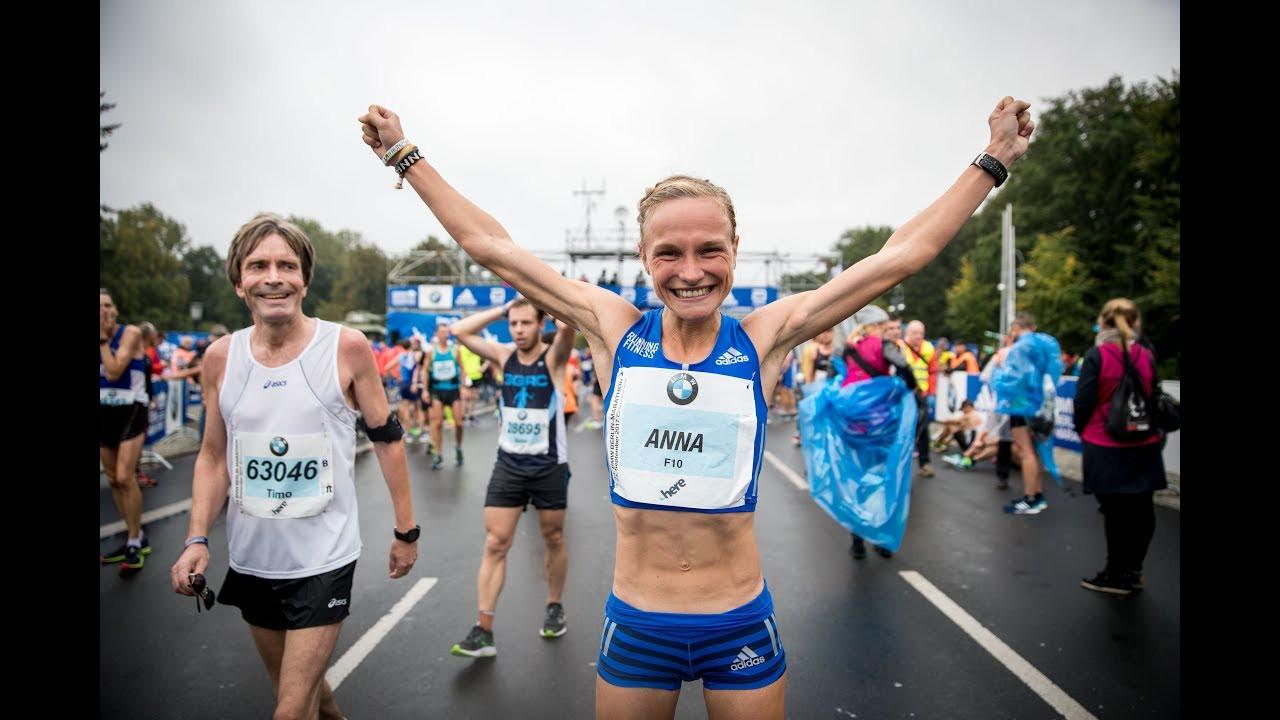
(386, 158)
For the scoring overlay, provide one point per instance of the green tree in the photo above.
(140, 261)
(968, 305)
(1056, 291)
(1106, 162)
(362, 285)
(104, 131)
(206, 271)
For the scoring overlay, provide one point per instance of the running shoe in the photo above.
(118, 555)
(436, 461)
(553, 626)
(479, 643)
(1104, 582)
(457, 453)
(133, 561)
(884, 552)
(1026, 506)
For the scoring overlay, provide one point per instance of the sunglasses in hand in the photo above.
(203, 592)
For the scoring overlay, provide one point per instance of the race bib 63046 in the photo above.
(282, 476)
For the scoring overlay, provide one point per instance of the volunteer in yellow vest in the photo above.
(922, 357)
(471, 375)
(945, 355)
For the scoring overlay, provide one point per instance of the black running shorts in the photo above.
(446, 397)
(322, 599)
(547, 489)
(118, 423)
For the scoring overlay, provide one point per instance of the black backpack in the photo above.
(1129, 418)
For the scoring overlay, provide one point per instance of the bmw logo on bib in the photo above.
(522, 415)
(682, 388)
(279, 446)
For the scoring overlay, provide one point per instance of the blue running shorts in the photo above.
(736, 650)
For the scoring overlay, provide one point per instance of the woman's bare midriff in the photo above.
(686, 562)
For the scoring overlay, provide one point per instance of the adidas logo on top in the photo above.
(746, 658)
(731, 356)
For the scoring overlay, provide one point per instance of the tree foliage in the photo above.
(104, 131)
(140, 262)
(1056, 291)
(1097, 212)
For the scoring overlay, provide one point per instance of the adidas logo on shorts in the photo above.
(731, 356)
(746, 658)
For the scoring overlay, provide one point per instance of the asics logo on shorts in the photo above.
(731, 356)
(337, 601)
(746, 658)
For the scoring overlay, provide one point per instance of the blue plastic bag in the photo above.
(857, 444)
(1019, 382)
(1025, 385)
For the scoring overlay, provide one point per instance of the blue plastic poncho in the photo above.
(1025, 385)
(857, 443)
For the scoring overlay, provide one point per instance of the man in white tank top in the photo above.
(282, 398)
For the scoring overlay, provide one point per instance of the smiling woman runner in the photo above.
(684, 429)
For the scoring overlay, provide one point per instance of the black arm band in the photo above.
(389, 432)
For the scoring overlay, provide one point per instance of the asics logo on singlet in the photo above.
(682, 388)
(731, 356)
(746, 658)
(274, 383)
(337, 601)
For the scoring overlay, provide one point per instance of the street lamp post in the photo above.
(1008, 270)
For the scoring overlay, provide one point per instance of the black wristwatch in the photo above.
(409, 537)
(992, 165)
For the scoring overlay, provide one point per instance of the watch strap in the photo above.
(988, 162)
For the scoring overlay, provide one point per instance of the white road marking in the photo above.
(367, 642)
(159, 513)
(787, 472)
(1023, 670)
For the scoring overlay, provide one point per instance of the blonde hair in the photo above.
(254, 231)
(683, 186)
(1121, 314)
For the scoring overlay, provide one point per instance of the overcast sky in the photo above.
(815, 115)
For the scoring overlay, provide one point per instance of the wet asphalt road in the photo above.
(861, 639)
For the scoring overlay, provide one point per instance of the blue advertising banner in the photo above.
(155, 413)
(461, 298)
(1064, 431)
(448, 297)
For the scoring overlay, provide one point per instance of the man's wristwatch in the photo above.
(409, 537)
(993, 166)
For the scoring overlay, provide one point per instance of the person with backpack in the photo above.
(868, 354)
(1121, 440)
